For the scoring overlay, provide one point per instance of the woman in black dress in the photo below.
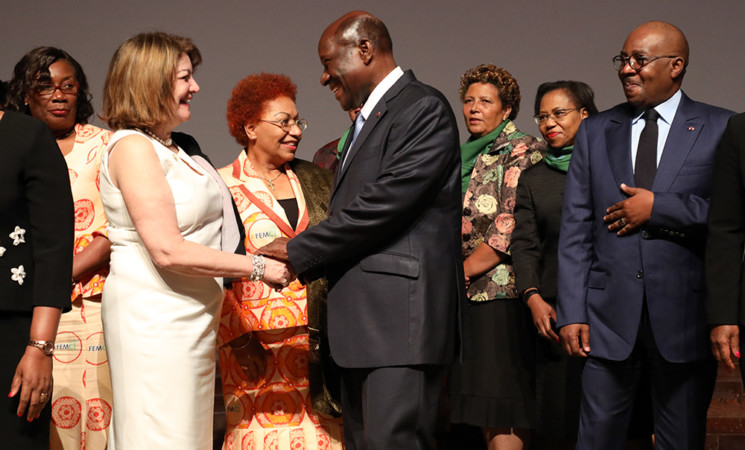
(560, 107)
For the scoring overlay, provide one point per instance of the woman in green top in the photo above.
(493, 389)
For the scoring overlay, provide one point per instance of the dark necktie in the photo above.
(645, 167)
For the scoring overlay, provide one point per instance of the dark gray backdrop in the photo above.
(535, 40)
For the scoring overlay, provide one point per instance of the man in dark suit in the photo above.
(390, 247)
(631, 249)
(725, 305)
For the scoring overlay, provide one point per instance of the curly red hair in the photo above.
(250, 97)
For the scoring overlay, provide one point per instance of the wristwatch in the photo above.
(45, 346)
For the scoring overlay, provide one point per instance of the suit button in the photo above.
(645, 234)
(640, 274)
(466, 211)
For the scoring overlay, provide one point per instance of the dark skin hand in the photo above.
(92, 258)
(276, 249)
(725, 343)
(542, 314)
(635, 211)
(571, 337)
(246, 350)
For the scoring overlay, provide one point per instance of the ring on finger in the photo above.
(622, 222)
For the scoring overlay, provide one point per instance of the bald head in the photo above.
(356, 26)
(667, 36)
(661, 50)
(356, 53)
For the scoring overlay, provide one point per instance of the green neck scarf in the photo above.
(471, 149)
(342, 141)
(558, 158)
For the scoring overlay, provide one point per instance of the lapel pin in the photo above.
(691, 128)
(378, 114)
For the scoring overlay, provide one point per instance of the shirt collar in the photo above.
(380, 90)
(666, 109)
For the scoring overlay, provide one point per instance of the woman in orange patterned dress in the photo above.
(264, 334)
(50, 85)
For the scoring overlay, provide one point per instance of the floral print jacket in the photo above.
(488, 205)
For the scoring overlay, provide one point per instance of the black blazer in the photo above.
(35, 196)
(391, 245)
(535, 239)
(724, 266)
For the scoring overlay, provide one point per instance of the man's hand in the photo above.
(276, 249)
(576, 339)
(632, 213)
(725, 342)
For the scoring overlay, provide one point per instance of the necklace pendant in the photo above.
(271, 185)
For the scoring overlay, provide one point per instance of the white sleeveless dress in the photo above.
(160, 326)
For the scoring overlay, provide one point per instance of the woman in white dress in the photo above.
(165, 216)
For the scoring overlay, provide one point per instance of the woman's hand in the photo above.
(277, 273)
(543, 313)
(250, 356)
(33, 378)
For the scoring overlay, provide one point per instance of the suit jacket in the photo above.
(37, 224)
(725, 270)
(390, 247)
(535, 240)
(604, 278)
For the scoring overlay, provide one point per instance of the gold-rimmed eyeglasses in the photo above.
(557, 115)
(287, 124)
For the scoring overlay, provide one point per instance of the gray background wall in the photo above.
(535, 40)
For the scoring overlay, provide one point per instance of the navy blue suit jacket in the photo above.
(603, 278)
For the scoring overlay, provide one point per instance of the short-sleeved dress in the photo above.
(160, 326)
(494, 388)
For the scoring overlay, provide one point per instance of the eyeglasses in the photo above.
(636, 62)
(557, 115)
(287, 124)
(46, 89)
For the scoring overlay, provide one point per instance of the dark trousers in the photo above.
(389, 408)
(681, 393)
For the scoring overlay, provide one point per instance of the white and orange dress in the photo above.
(275, 412)
(82, 399)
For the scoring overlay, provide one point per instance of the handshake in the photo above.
(278, 272)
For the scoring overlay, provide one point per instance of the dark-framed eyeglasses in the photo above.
(636, 62)
(557, 115)
(48, 89)
(287, 124)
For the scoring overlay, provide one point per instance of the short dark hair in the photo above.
(35, 66)
(365, 26)
(580, 93)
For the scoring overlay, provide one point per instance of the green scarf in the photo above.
(342, 141)
(470, 151)
(559, 158)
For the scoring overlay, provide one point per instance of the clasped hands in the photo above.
(278, 272)
(627, 215)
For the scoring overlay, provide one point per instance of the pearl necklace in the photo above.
(165, 143)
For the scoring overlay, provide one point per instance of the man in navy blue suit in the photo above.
(633, 229)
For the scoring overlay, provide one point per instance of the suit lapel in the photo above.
(684, 131)
(618, 147)
(376, 115)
